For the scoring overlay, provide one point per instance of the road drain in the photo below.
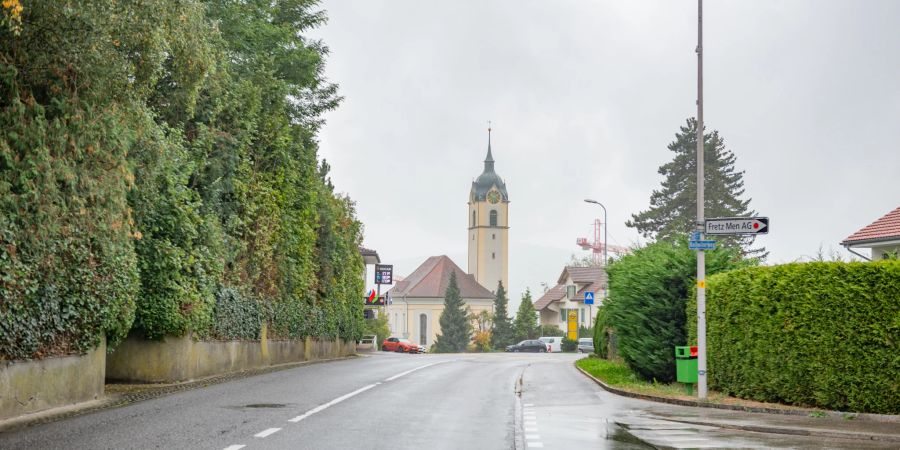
(265, 405)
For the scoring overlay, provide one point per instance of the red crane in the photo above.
(596, 247)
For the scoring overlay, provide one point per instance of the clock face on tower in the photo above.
(493, 196)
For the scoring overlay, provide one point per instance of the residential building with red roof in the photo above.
(555, 303)
(881, 236)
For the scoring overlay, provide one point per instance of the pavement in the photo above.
(395, 401)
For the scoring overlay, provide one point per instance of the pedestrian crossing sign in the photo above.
(588, 297)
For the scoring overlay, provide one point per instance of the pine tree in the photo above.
(525, 325)
(456, 331)
(673, 208)
(501, 332)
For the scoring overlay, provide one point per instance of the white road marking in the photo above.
(530, 423)
(325, 406)
(529, 417)
(532, 437)
(234, 447)
(268, 432)
(531, 429)
(412, 370)
(535, 445)
(529, 404)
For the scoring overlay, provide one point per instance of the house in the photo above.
(555, 303)
(881, 236)
(418, 300)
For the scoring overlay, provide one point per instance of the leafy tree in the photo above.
(502, 329)
(648, 296)
(673, 208)
(456, 331)
(378, 326)
(525, 325)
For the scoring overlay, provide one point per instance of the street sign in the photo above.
(702, 245)
(695, 236)
(737, 225)
(588, 297)
(384, 274)
(572, 324)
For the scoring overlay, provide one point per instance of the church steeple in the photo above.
(489, 160)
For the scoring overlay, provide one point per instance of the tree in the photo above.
(673, 208)
(525, 325)
(502, 330)
(456, 331)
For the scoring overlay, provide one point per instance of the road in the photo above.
(394, 401)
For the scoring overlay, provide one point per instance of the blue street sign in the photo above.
(588, 297)
(695, 236)
(702, 245)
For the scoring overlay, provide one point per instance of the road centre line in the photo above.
(413, 370)
(267, 432)
(234, 447)
(325, 406)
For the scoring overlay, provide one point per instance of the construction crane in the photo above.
(596, 246)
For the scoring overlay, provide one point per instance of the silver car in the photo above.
(585, 345)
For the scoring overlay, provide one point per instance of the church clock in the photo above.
(493, 197)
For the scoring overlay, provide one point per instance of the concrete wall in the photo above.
(183, 358)
(36, 385)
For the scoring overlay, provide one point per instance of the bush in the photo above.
(569, 345)
(482, 341)
(550, 331)
(236, 316)
(823, 334)
(601, 333)
(648, 293)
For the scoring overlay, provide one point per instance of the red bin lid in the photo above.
(693, 350)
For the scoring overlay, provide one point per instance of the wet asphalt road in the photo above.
(395, 401)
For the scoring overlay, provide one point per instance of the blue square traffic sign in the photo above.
(588, 297)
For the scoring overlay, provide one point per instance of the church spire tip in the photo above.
(489, 158)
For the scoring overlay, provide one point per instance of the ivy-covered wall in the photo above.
(824, 334)
(159, 172)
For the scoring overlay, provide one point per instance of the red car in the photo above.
(399, 345)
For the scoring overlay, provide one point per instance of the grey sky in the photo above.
(585, 96)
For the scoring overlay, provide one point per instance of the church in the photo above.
(418, 299)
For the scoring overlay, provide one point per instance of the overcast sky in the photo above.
(585, 96)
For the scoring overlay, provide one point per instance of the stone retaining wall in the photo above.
(35, 385)
(176, 359)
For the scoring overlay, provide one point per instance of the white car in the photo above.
(554, 342)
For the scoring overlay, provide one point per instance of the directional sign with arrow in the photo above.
(737, 225)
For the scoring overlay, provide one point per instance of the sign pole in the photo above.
(701, 256)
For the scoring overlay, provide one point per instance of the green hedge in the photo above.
(825, 334)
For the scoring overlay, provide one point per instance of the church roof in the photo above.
(430, 280)
(488, 179)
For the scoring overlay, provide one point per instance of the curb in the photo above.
(149, 392)
(762, 428)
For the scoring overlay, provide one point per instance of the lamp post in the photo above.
(605, 245)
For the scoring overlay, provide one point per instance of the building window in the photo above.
(423, 329)
(493, 236)
(493, 218)
(493, 255)
(473, 218)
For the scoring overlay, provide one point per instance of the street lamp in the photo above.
(605, 258)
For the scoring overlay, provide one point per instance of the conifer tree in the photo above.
(501, 332)
(525, 325)
(673, 208)
(456, 331)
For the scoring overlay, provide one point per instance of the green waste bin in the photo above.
(686, 364)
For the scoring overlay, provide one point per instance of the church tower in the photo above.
(489, 227)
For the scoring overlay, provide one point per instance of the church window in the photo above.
(473, 218)
(493, 217)
(423, 329)
(493, 255)
(493, 236)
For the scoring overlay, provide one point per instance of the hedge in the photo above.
(823, 334)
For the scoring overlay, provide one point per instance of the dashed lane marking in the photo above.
(267, 432)
(234, 447)
(532, 437)
(535, 445)
(325, 406)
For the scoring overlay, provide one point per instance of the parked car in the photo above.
(399, 345)
(585, 345)
(528, 346)
(555, 342)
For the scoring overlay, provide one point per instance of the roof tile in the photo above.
(884, 229)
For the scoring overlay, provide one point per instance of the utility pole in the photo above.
(701, 256)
